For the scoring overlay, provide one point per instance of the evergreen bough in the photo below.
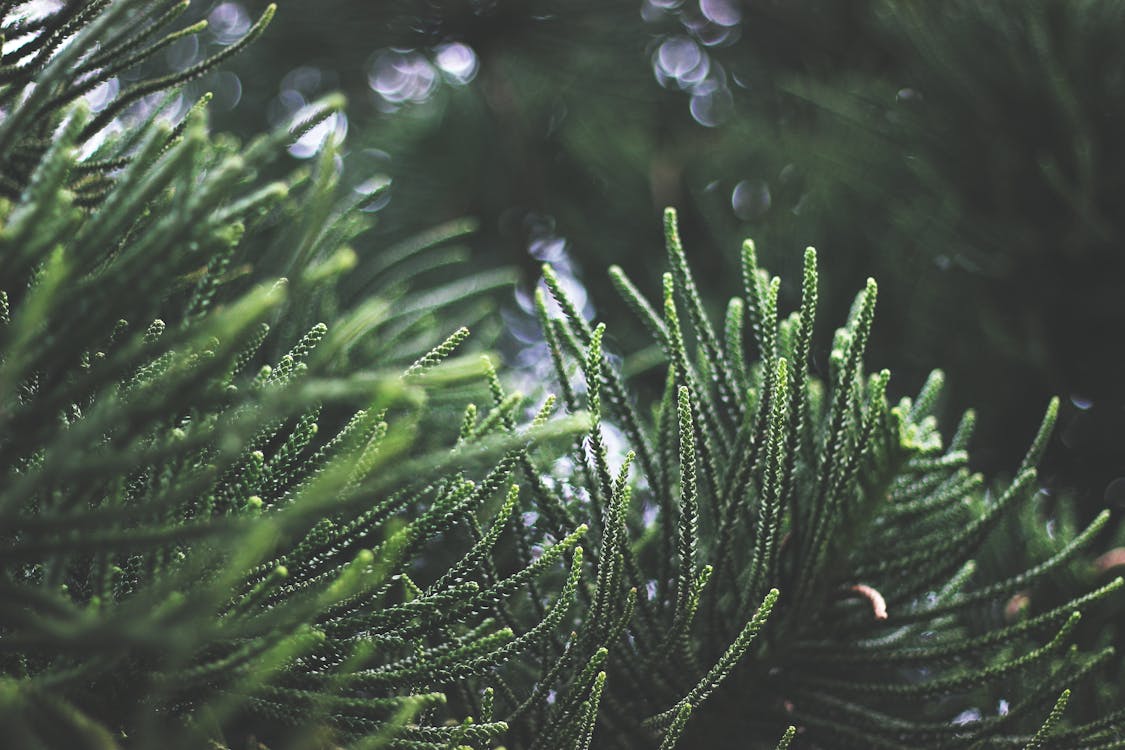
(811, 545)
(223, 519)
(202, 539)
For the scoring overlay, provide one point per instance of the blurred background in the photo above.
(967, 155)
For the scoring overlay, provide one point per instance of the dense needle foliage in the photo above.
(815, 535)
(224, 521)
(182, 544)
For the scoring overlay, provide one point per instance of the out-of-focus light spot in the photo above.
(751, 199)
(799, 206)
(968, 716)
(650, 12)
(721, 12)
(713, 35)
(228, 22)
(104, 93)
(369, 164)
(402, 77)
(656, 10)
(305, 79)
(371, 168)
(373, 185)
(1081, 402)
(227, 88)
(711, 107)
(281, 110)
(334, 126)
(457, 61)
(291, 100)
(706, 32)
(680, 60)
(183, 53)
(171, 109)
(377, 190)
(1115, 493)
(548, 250)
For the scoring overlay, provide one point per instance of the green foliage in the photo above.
(965, 154)
(237, 505)
(201, 540)
(58, 57)
(979, 142)
(811, 551)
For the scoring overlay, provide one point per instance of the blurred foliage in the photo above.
(966, 154)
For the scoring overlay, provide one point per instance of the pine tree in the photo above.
(798, 551)
(198, 543)
(225, 521)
